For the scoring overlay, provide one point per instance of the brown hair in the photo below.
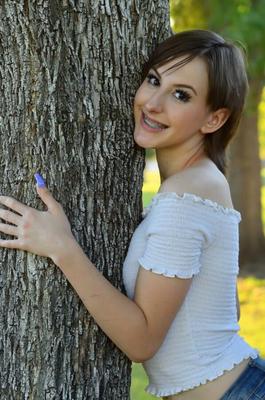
(227, 76)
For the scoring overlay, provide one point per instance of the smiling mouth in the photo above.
(150, 123)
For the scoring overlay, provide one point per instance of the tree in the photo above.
(68, 74)
(243, 21)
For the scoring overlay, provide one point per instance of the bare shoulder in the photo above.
(203, 180)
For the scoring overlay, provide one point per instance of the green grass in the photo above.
(252, 304)
(139, 382)
(147, 198)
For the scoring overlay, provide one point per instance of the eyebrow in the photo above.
(175, 84)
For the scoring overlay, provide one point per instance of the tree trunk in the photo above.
(245, 177)
(68, 74)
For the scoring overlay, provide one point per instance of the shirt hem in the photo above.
(159, 392)
(170, 274)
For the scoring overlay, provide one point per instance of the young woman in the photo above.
(180, 318)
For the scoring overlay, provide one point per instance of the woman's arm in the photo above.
(137, 327)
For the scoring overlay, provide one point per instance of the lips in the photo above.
(151, 124)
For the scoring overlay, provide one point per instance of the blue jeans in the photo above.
(250, 385)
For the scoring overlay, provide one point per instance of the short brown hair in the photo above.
(228, 83)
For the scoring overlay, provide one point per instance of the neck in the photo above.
(171, 164)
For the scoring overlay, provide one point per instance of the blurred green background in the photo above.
(242, 21)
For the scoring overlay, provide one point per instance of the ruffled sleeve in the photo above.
(177, 233)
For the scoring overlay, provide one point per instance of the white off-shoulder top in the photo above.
(186, 236)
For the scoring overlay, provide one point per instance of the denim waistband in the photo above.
(250, 384)
(257, 362)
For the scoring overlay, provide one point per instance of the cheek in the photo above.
(140, 95)
(138, 101)
(190, 118)
(193, 112)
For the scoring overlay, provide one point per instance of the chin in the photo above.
(143, 142)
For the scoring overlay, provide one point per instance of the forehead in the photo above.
(193, 73)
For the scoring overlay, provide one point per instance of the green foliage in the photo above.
(239, 20)
(149, 153)
(261, 128)
(186, 15)
(245, 21)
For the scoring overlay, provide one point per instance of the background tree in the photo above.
(243, 21)
(68, 73)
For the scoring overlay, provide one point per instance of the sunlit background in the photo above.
(244, 21)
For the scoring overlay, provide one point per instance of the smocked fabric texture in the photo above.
(187, 236)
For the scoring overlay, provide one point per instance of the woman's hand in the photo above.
(45, 233)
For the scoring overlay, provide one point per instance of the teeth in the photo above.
(152, 124)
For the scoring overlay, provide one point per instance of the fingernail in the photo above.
(40, 181)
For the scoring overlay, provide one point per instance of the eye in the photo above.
(152, 79)
(182, 95)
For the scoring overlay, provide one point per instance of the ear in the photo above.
(215, 120)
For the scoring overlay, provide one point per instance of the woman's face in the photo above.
(170, 106)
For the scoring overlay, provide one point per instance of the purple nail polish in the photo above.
(40, 181)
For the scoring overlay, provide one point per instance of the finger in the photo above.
(12, 203)
(47, 198)
(9, 216)
(9, 229)
(10, 244)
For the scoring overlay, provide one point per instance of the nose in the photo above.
(154, 103)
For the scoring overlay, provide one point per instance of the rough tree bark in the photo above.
(68, 73)
(245, 177)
